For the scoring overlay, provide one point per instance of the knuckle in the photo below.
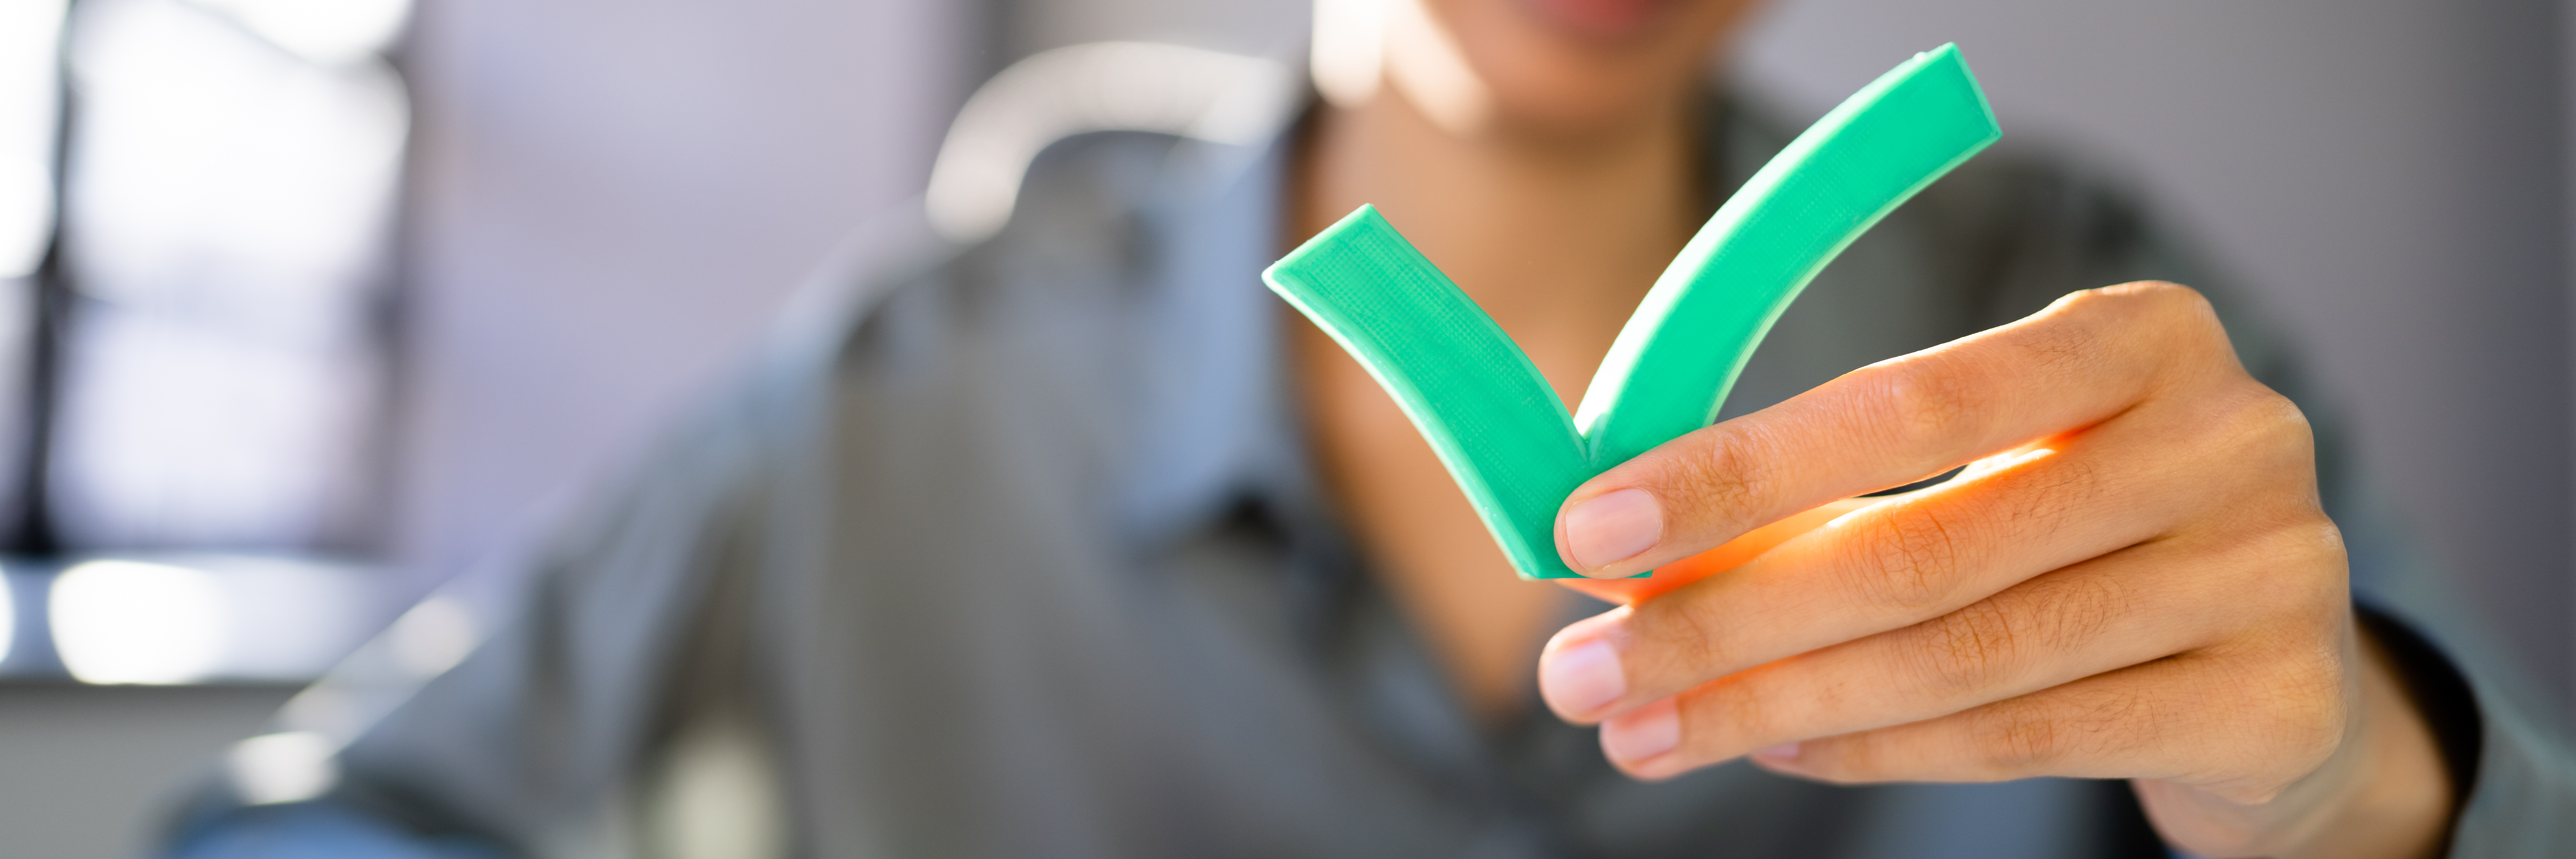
(2169, 315)
(1906, 561)
(2091, 606)
(2288, 720)
(1728, 472)
(1735, 709)
(2039, 498)
(2140, 298)
(2265, 426)
(2178, 300)
(2260, 457)
(2293, 570)
(2086, 302)
(2302, 716)
(2296, 595)
(2017, 737)
(2310, 541)
(2041, 734)
(1968, 650)
(2162, 299)
(1692, 641)
(2321, 547)
(1927, 403)
(1990, 642)
(2070, 608)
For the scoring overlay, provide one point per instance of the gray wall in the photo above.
(612, 197)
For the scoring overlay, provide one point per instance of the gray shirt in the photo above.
(1016, 550)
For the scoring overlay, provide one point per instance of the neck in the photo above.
(1557, 237)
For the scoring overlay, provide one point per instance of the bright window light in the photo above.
(133, 622)
(30, 32)
(286, 767)
(178, 436)
(322, 31)
(228, 208)
(210, 171)
(433, 636)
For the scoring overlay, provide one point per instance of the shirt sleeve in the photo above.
(2524, 800)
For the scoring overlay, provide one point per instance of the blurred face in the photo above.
(1554, 67)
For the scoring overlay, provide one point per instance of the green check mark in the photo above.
(1484, 407)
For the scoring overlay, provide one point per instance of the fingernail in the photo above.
(1782, 753)
(1580, 679)
(1642, 734)
(1612, 527)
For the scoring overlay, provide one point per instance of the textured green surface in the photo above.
(1495, 422)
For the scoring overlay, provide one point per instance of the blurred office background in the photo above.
(350, 299)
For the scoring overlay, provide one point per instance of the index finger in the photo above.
(2085, 359)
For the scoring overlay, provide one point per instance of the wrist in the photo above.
(2396, 800)
(2384, 793)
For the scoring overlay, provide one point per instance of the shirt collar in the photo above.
(1212, 417)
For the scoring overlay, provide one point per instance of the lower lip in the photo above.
(1601, 18)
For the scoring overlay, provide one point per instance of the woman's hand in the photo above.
(2132, 580)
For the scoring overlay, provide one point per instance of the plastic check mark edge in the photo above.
(1493, 419)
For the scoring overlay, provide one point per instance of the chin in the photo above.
(1569, 67)
(1605, 20)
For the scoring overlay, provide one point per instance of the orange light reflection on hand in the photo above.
(1725, 557)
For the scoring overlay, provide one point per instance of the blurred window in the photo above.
(29, 35)
(197, 202)
(30, 127)
(196, 355)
